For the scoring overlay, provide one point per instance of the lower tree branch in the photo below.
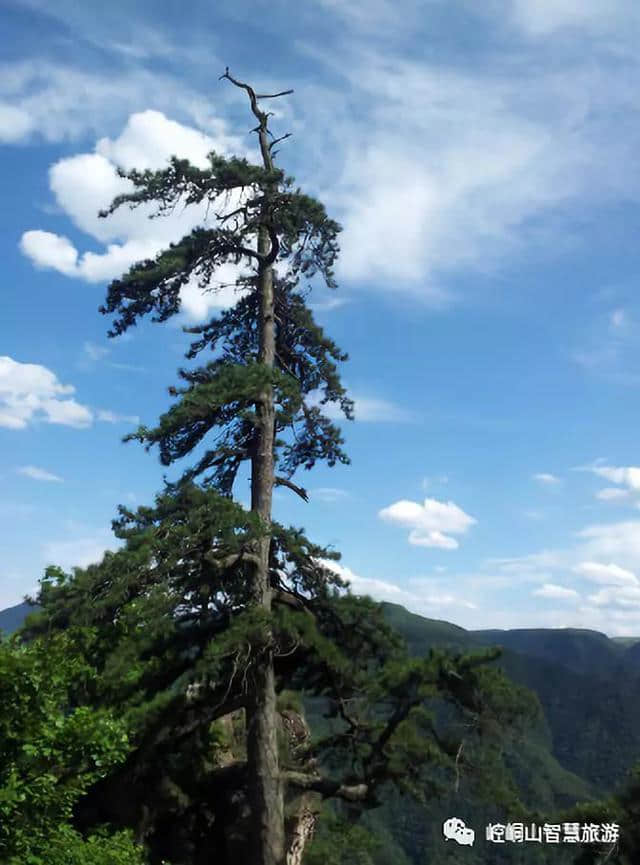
(327, 787)
(224, 562)
(283, 482)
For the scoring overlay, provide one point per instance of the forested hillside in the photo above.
(575, 753)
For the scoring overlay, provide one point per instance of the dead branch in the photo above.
(283, 482)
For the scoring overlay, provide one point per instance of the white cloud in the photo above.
(366, 408)
(546, 478)
(31, 392)
(95, 352)
(428, 482)
(78, 552)
(113, 417)
(620, 596)
(371, 409)
(58, 102)
(87, 183)
(618, 319)
(15, 124)
(545, 17)
(422, 596)
(551, 590)
(149, 138)
(381, 590)
(610, 346)
(619, 542)
(38, 474)
(485, 155)
(625, 475)
(608, 494)
(328, 304)
(487, 166)
(47, 250)
(432, 523)
(328, 494)
(607, 574)
(490, 163)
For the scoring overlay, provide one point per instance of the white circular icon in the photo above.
(456, 829)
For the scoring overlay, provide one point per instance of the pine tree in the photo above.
(210, 610)
(271, 223)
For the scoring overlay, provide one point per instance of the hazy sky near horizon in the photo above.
(483, 162)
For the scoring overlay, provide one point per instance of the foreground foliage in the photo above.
(51, 751)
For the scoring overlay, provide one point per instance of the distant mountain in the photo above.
(631, 657)
(579, 650)
(589, 689)
(626, 641)
(13, 617)
(588, 685)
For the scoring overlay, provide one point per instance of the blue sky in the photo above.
(482, 159)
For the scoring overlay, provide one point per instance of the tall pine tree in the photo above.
(273, 353)
(210, 610)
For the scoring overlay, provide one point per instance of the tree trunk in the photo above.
(263, 771)
(265, 787)
(303, 829)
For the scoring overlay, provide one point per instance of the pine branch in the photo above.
(327, 787)
(300, 491)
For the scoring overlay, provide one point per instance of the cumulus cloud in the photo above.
(489, 161)
(432, 523)
(48, 250)
(149, 138)
(30, 392)
(38, 474)
(628, 476)
(87, 183)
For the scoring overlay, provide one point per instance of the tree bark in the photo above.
(263, 770)
(265, 786)
(303, 829)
